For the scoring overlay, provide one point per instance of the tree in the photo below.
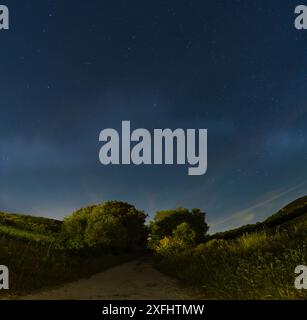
(110, 225)
(166, 221)
(185, 233)
(106, 232)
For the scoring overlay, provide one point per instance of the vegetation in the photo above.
(35, 266)
(15, 233)
(253, 265)
(165, 222)
(293, 210)
(252, 262)
(30, 223)
(108, 226)
(43, 252)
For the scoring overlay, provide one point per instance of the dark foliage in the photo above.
(166, 222)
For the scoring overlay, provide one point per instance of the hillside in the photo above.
(30, 223)
(26, 227)
(293, 211)
(251, 262)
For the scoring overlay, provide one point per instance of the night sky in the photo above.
(69, 69)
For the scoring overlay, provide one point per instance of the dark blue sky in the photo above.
(69, 69)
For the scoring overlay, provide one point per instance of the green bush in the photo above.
(166, 222)
(110, 225)
(185, 233)
(182, 240)
(107, 232)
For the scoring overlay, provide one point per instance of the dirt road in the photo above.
(136, 280)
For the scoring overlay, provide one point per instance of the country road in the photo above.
(135, 280)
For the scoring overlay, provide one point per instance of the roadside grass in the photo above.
(259, 265)
(15, 233)
(35, 266)
(33, 250)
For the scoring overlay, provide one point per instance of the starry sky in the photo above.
(72, 68)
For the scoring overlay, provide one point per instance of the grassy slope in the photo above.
(30, 223)
(258, 264)
(295, 209)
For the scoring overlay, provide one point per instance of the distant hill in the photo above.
(26, 227)
(292, 210)
(288, 214)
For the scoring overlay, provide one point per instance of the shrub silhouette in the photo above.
(166, 222)
(182, 239)
(106, 231)
(185, 233)
(112, 225)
